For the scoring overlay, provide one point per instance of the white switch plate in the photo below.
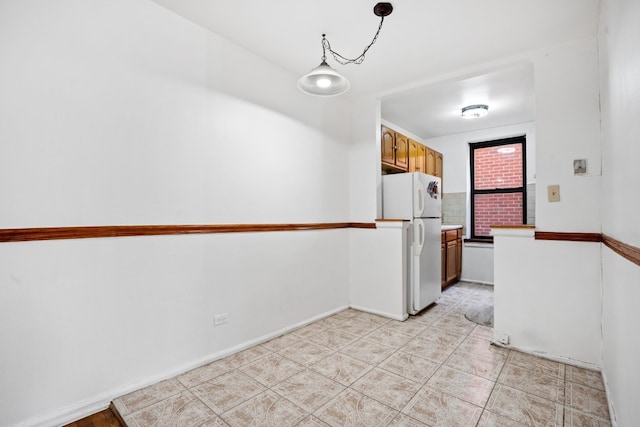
(553, 193)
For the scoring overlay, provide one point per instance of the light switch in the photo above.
(553, 193)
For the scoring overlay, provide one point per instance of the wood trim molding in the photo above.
(362, 225)
(632, 253)
(625, 250)
(568, 237)
(60, 233)
(520, 226)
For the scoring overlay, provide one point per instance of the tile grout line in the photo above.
(495, 384)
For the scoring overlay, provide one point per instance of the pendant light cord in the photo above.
(341, 59)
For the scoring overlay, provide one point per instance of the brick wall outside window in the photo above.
(496, 209)
(497, 168)
(494, 169)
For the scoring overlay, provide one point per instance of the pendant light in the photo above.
(324, 80)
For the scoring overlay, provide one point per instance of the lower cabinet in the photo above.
(444, 261)
(459, 257)
(451, 256)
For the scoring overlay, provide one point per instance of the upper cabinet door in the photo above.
(438, 165)
(402, 151)
(388, 146)
(421, 162)
(431, 161)
(414, 165)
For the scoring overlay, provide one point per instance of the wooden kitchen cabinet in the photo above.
(459, 257)
(444, 262)
(431, 161)
(388, 146)
(395, 150)
(416, 156)
(403, 154)
(438, 171)
(402, 151)
(422, 157)
(413, 156)
(451, 256)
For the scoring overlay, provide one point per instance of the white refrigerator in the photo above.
(416, 197)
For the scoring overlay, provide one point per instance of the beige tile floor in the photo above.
(358, 369)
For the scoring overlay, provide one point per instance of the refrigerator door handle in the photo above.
(418, 236)
(418, 197)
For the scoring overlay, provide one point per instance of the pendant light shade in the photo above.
(323, 81)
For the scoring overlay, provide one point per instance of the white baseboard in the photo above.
(70, 413)
(102, 401)
(462, 279)
(565, 360)
(381, 313)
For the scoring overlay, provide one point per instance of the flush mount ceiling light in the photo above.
(506, 150)
(324, 80)
(475, 111)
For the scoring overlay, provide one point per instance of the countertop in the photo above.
(450, 227)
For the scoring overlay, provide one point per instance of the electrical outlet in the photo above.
(553, 193)
(220, 319)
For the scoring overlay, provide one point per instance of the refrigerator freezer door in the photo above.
(397, 196)
(426, 266)
(419, 197)
(411, 195)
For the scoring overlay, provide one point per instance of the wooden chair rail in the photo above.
(632, 253)
(59, 233)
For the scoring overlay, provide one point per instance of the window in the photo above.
(498, 185)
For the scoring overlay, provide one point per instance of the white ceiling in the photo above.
(420, 40)
(435, 110)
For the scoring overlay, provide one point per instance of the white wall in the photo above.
(620, 94)
(84, 321)
(547, 296)
(121, 112)
(568, 128)
(129, 94)
(378, 275)
(620, 342)
(364, 161)
(620, 99)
